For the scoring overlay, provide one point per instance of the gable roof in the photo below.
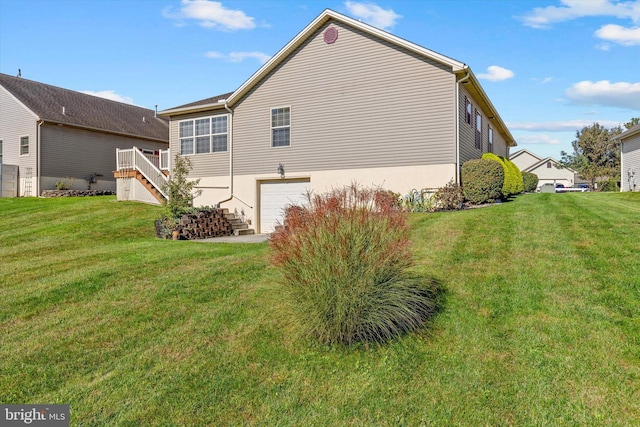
(628, 133)
(556, 163)
(460, 69)
(523, 151)
(64, 106)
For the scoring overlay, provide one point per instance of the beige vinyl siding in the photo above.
(77, 153)
(357, 103)
(630, 160)
(17, 121)
(468, 148)
(206, 164)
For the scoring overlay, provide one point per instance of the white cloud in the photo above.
(621, 35)
(537, 138)
(558, 126)
(239, 56)
(373, 14)
(212, 14)
(496, 73)
(544, 17)
(603, 92)
(110, 94)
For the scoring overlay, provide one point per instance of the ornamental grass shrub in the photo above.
(343, 258)
(530, 181)
(482, 180)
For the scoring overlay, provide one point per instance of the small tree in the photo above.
(179, 189)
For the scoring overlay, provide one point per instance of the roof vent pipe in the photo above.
(156, 113)
(64, 111)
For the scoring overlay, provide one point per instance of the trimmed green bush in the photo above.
(482, 180)
(343, 259)
(512, 176)
(530, 181)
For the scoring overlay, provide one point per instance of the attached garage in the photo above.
(276, 196)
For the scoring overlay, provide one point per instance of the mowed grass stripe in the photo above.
(539, 323)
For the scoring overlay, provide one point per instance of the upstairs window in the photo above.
(478, 130)
(467, 110)
(490, 136)
(24, 145)
(281, 127)
(204, 135)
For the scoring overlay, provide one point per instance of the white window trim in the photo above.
(20, 145)
(490, 138)
(278, 127)
(478, 132)
(211, 135)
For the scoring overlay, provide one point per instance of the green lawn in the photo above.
(540, 322)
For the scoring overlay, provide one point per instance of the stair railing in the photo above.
(134, 159)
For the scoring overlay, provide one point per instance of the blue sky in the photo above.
(549, 67)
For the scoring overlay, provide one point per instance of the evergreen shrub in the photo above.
(512, 176)
(530, 181)
(343, 258)
(482, 180)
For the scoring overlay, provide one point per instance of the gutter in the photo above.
(457, 115)
(226, 107)
(38, 155)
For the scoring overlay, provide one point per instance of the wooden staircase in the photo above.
(142, 180)
(239, 227)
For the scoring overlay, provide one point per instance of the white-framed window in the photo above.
(203, 135)
(281, 127)
(467, 110)
(24, 145)
(478, 130)
(490, 136)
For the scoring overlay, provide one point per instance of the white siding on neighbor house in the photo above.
(356, 103)
(468, 149)
(525, 159)
(17, 121)
(77, 153)
(630, 164)
(553, 174)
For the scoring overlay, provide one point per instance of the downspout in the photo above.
(458, 83)
(226, 107)
(38, 156)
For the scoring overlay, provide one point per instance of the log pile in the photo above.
(202, 224)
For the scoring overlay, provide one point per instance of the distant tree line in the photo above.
(596, 155)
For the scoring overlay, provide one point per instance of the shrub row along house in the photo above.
(49, 135)
(342, 102)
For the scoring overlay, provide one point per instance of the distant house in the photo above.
(548, 169)
(52, 134)
(629, 159)
(342, 102)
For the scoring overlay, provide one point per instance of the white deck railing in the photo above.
(134, 159)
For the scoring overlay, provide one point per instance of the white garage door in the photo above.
(275, 197)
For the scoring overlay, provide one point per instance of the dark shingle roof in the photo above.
(83, 110)
(206, 101)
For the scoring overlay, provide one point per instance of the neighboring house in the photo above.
(52, 134)
(342, 102)
(547, 169)
(630, 159)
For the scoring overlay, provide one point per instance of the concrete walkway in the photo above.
(248, 238)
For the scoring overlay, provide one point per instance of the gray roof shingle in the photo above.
(206, 101)
(84, 110)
